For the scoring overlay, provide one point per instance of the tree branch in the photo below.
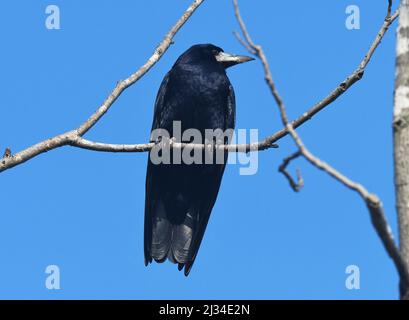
(340, 89)
(401, 132)
(74, 137)
(104, 147)
(70, 138)
(372, 202)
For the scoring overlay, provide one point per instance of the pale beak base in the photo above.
(229, 60)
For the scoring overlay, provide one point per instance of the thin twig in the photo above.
(373, 203)
(243, 43)
(296, 186)
(389, 9)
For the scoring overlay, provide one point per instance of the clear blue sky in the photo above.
(83, 211)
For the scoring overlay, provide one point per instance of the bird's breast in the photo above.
(202, 98)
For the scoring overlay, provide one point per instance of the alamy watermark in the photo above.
(52, 21)
(52, 281)
(214, 152)
(353, 280)
(353, 21)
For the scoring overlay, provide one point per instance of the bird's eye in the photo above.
(215, 52)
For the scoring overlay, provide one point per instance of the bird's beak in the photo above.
(228, 60)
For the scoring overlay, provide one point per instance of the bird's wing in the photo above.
(231, 109)
(152, 191)
(159, 114)
(210, 184)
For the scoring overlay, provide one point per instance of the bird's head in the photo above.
(209, 53)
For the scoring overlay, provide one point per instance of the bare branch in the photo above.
(33, 151)
(296, 186)
(70, 137)
(337, 92)
(371, 200)
(105, 147)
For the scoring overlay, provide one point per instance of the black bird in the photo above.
(180, 197)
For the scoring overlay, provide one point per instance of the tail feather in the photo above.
(180, 244)
(161, 239)
(172, 241)
(161, 233)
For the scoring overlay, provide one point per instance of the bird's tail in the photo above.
(170, 240)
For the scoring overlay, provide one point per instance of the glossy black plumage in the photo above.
(180, 197)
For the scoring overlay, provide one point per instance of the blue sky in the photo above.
(83, 211)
